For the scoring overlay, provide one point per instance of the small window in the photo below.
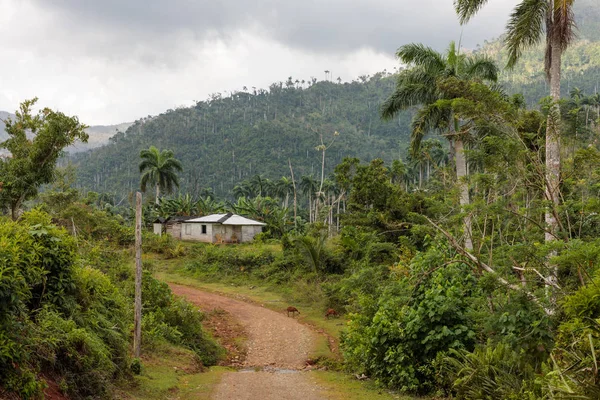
(204, 229)
(188, 229)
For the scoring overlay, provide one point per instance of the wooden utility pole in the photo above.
(137, 330)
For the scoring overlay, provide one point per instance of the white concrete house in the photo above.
(221, 228)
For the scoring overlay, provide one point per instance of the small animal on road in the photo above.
(292, 310)
(331, 312)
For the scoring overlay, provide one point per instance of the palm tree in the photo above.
(244, 189)
(308, 185)
(530, 23)
(258, 185)
(417, 85)
(283, 188)
(158, 168)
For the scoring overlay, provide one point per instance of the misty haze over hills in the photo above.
(99, 134)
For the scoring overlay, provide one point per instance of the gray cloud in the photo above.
(320, 26)
(110, 61)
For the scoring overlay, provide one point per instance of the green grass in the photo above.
(337, 385)
(344, 387)
(309, 314)
(172, 372)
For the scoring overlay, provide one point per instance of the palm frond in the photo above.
(147, 177)
(481, 67)
(428, 118)
(414, 87)
(172, 163)
(466, 9)
(147, 164)
(525, 28)
(563, 23)
(420, 55)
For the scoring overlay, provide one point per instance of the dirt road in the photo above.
(277, 350)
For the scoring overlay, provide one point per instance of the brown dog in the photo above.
(331, 312)
(292, 310)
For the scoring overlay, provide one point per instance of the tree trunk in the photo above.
(157, 193)
(461, 175)
(553, 143)
(295, 195)
(553, 148)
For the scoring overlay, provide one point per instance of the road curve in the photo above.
(277, 349)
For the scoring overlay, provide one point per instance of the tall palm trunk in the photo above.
(157, 193)
(461, 176)
(553, 147)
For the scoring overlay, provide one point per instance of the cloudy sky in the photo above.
(111, 61)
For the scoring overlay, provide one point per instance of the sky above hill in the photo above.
(112, 61)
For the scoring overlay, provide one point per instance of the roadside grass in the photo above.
(338, 386)
(172, 372)
(306, 296)
(311, 314)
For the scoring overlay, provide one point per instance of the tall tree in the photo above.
(159, 168)
(417, 85)
(531, 22)
(35, 142)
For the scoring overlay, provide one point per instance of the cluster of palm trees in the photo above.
(581, 106)
(318, 198)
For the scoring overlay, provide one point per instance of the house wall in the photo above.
(248, 233)
(193, 231)
(157, 229)
(174, 230)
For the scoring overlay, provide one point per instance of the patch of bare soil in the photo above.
(277, 349)
(229, 333)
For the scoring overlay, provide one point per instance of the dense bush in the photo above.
(56, 317)
(396, 336)
(67, 314)
(166, 318)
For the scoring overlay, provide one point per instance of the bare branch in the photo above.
(487, 268)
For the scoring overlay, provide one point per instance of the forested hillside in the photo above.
(581, 62)
(229, 138)
(225, 140)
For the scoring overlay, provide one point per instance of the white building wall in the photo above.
(193, 231)
(157, 229)
(248, 233)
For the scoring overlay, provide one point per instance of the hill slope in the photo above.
(227, 139)
(581, 62)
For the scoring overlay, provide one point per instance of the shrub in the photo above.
(494, 372)
(396, 337)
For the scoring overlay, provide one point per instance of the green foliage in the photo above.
(397, 335)
(32, 162)
(491, 372)
(57, 316)
(159, 168)
(164, 245)
(231, 138)
(67, 314)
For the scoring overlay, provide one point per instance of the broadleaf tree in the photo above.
(35, 142)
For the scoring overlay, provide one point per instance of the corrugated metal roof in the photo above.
(239, 220)
(226, 219)
(208, 218)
